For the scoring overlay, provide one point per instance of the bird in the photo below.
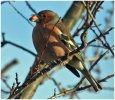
(50, 30)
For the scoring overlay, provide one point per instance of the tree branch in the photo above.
(18, 12)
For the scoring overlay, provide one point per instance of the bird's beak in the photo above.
(34, 18)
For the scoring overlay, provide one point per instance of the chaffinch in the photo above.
(49, 27)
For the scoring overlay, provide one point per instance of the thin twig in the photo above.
(6, 92)
(17, 81)
(19, 46)
(105, 33)
(5, 82)
(101, 56)
(4, 42)
(15, 88)
(30, 7)
(20, 13)
(3, 2)
(56, 83)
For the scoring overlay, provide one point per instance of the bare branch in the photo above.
(30, 7)
(16, 45)
(79, 89)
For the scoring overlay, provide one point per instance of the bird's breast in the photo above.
(55, 48)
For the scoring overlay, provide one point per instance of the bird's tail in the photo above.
(92, 81)
(78, 64)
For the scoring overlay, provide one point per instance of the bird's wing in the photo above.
(68, 40)
(71, 45)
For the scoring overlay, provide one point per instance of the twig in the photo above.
(3, 36)
(4, 2)
(105, 33)
(54, 91)
(5, 82)
(56, 83)
(79, 89)
(21, 47)
(101, 56)
(15, 88)
(8, 66)
(4, 42)
(6, 92)
(12, 89)
(20, 13)
(17, 82)
(30, 7)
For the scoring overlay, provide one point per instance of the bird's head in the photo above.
(45, 16)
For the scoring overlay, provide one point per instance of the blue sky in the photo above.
(19, 31)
